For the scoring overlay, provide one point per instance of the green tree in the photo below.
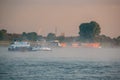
(24, 36)
(61, 38)
(3, 34)
(88, 31)
(118, 38)
(51, 36)
(118, 41)
(32, 36)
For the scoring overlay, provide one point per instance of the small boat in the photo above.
(20, 46)
(39, 48)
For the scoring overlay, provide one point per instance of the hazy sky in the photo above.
(44, 16)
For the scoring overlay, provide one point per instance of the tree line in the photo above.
(30, 36)
(88, 33)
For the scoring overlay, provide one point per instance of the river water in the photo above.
(61, 64)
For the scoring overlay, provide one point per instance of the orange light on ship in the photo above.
(63, 44)
(94, 45)
(76, 45)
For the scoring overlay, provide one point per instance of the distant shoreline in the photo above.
(5, 43)
(104, 45)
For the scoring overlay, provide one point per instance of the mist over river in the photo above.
(61, 64)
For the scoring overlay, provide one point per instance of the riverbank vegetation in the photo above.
(88, 33)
